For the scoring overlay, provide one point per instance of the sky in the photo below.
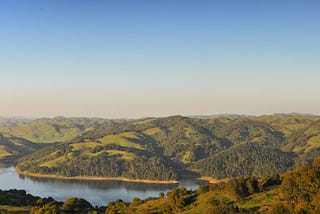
(132, 59)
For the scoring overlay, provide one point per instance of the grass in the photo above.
(38, 132)
(120, 140)
(12, 209)
(152, 131)
(266, 198)
(4, 152)
(6, 135)
(151, 205)
(204, 201)
(44, 131)
(54, 162)
(313, 130)
(69, 155)
(288, 124)
(131, 135)
(145, 121)
(84, 145)
(313, 142)
(189, 132)
(255, 201)
(124, 155)
(94, 154)
(187, 157)
(289, 128)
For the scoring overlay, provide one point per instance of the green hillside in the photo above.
(12, 148)
(288, 123)
(305, 139)
(58, 129)
(126, 155)
(173, 147)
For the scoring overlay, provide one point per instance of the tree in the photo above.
(76, 205)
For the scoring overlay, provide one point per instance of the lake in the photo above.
(96, 192)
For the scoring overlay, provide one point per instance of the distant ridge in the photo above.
(199, 116)
(229, 116)
(296, 114)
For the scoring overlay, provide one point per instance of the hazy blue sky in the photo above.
(158, 57)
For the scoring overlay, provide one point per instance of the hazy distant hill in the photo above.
(229, 116)
(12, 121)
(58, 129)
(171, 147)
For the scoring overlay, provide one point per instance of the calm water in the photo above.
(96, 192)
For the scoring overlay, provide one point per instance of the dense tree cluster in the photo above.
(17, 198)
(301, 188)
(246, 159)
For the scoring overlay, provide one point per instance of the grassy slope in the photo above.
(121, 140)
(87, 149)
(12, 148)
(15, 209)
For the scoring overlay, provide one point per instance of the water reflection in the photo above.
(102, 185)
(96, 192)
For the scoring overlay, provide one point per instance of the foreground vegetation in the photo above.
(296, 191)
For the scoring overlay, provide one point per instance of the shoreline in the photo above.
(94, 178)
(212, 180)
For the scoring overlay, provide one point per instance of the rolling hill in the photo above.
(173, 147)
(58, 129)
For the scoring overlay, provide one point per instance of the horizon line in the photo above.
(160, 116)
